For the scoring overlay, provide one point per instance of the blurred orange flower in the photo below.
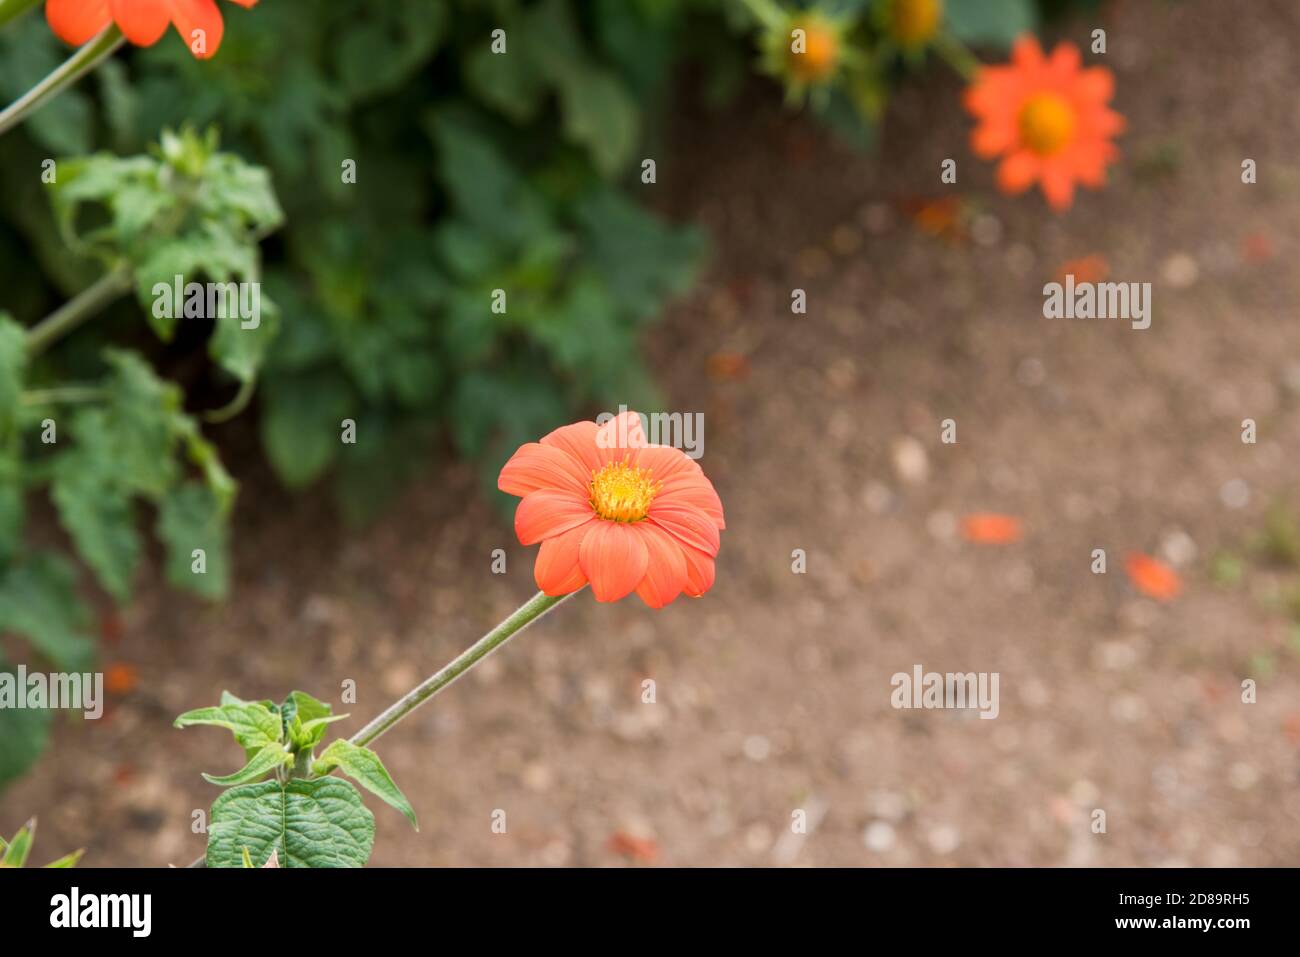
(1048, 118)
(613, 510)
(142, 21)
(120, 678)
(990, 528)
(1152, 577)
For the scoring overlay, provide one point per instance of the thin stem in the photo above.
(524, 616)
(87, 58)
(957, 55)
(78, 309)
(64, 394)
(11, 10)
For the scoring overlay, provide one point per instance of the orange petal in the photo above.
(578, 440)
(687, 524)
(990, 528)
(76, 21)
(699, 572)
(614, 559)
(1152, 577)
(537, 466)
(557, 571)
(620, 436)
(245, 3)
(695, 491)
(1018, 171)
(1026, 53)
(666, 462)
(665, 574)
(199, 17)
(143, 21)
(548, 512)
(994, 137)
(1058, 185)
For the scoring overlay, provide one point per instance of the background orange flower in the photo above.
(1047, 117)
(143, 22)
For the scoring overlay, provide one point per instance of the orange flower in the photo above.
(1048, 118)
(990, 528)
(142, 21)
(1152, 577)
(615, 511)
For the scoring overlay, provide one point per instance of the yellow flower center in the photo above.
(913, 23)
(1046, 123)
(819, 54)
(621, 492)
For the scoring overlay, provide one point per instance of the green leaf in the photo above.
(600, 114)
(38, 600)
(364, 767)
(67, 860)
(308, 823)
(24, 734)
(99, 517)
(20, 846)
(253, 723)
(307, 718)
(302, 418)
(267, 759)
(192, 517)
(13, 363)
(993, 22)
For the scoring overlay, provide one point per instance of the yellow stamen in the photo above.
(622, 492)
(1046, 123)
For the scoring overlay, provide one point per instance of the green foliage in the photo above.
(301, 813)
(15, 851)
(993, 22)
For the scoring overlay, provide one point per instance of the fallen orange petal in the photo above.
(1091, 268)
(990, 528)
(120, 678)
(633, 847)
(1152, 577)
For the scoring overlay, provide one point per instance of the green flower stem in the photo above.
(87, 58)
(70, 394)
(525, 615)
(957, 55)
(75, 311)
(11, 10)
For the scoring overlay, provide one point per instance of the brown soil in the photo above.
(773, 691)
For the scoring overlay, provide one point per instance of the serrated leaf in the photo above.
(364, 767)
(100, 520)
(192, 517)
(307, 823)
(267, 759)
(253, 723)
